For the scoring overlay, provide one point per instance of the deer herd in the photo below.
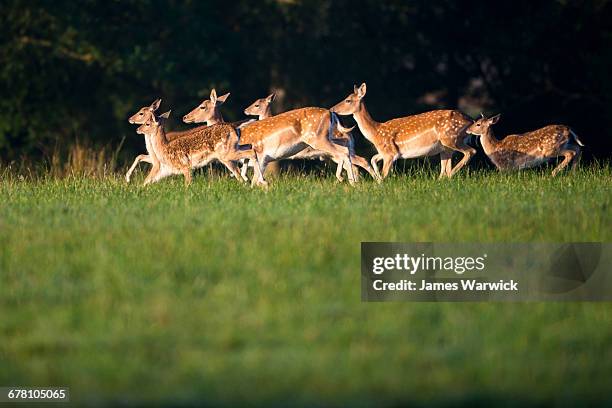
(316, 133)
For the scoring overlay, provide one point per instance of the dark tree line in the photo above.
(75, 70)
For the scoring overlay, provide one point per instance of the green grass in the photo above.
(223, 295)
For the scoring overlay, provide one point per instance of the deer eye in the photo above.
(348, 101)
(203, 107)
(478, 124)
(257, 106)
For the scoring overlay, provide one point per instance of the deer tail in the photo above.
(575, 136)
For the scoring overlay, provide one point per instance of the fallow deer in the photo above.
(436, 132)
(262, 109)
(286, 134)
(193, 150)
(145, 113)
(208, 111)
(211, 115)
(529, 149)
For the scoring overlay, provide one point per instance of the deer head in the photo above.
(482, 125)
(352, 103)
(260, 107)
(144, 113)
(207, 110)
(152, 125)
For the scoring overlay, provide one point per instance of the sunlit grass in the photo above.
(223, 294)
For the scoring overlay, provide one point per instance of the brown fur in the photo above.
(194, 149)
(342, 136)
(145, 113)
(527, 149)
(430, 133)
(284, 135)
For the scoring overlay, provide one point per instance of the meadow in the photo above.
(219, 294)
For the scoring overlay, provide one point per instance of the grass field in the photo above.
(222, 295)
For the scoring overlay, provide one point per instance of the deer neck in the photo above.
(367, 125)
(489, 142)
(267, 113)
(216, 119)
(150, 149)
(159, 143)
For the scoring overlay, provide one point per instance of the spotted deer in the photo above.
(192, 150)
(211, 116)
(529, 149)
(145, 113)
(341, 135)
(262, 107)
(427, 134)
(208, 111)
(286, 134)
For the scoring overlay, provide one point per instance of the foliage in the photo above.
(76, 70)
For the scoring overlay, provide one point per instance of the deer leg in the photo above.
(245, 176)
(387, 163)
(342, 165)
(233, 169)
(363, 163)
(354, 168)
(138, 159)
(445, 163)
(244, 167)
(261, 161)
(341, 156)
(459, 146)
(375, 159)
(187, 174)
(339, 170)
(576, 160)
(153, 175)
(568, 155)
(449, 165)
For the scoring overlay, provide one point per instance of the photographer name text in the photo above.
(422, 263)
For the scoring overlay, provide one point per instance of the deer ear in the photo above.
(362, 90)
(222, 98)
(495, 119)
(344, 130)
(213, 96)
(155, 105)
(165, 115)
(355, 89)
(271, 97)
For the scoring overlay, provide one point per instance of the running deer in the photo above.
(211, 115)
(145, 113)
(529, 149)
(427, 134)
(192, 150)
(286, 134)
(341, 135)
